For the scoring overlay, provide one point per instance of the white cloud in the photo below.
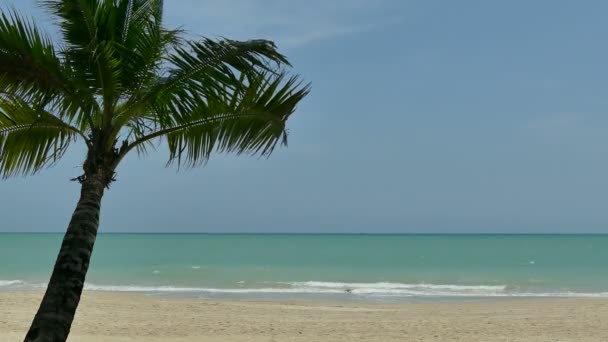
(289, 23)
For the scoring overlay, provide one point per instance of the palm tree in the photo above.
(119, 81)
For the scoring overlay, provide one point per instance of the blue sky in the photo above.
(425, 116)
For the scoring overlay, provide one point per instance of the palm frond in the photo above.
(139, 49)
(79, 31)
(144, 43)
(210, 60)
(31, 138)
(250, 119)
(121, 48)
(28, 63)
(76, 19)
(88, 29)
(120, 72)
(30, 68)
(204, 68)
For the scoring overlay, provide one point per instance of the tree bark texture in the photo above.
(54, 317)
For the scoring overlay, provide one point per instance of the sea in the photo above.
(367, 267)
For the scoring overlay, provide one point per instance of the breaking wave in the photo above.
(311, 288)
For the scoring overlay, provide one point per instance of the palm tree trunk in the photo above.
(54, 317)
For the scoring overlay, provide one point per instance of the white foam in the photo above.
(405, 290)
(360, 290)
(10, 282)
(395, 286)
(134, 288)
(378, 290)
(385, 289)
(116, 288)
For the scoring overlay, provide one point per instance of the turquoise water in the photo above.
(387, 267)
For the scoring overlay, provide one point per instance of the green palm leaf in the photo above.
(30, 138)
(251, 119)
(204, 68)
(28, 62)
(122, 79)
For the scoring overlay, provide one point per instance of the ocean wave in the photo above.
(356, 290)
(405, 290)
(387, 289)
(161, 289)
(363, 290)
(393, 286)
(10, 282)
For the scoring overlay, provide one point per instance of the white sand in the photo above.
(134, 318)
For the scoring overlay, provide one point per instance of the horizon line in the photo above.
(315, 233)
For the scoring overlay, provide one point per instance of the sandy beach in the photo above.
(134, 318)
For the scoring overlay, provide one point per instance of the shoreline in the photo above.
(373, 292)
(130, 317)
(342, 297)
